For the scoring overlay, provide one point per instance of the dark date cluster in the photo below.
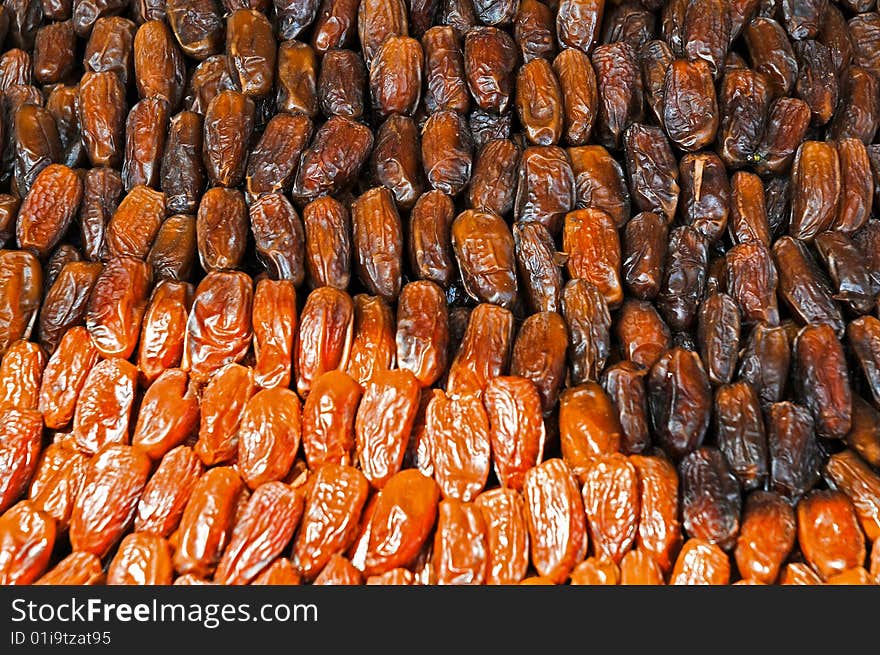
(439, 291)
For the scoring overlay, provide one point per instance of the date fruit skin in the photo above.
(680, 399)
(328, 420)
(104, 405)
(57, 481)
(164, 326)
(484, 352)
(27, 537)
(329, 526)
(207, 522)
(377, 241)
(740, 435)
(218, 329)
(794, 452)
(168, 414)
(516, 427)
(458, 435)
(398, 524)
(556, 520)
(48, 209)
(829, 534)
(105, 506)
(142, 559)
(78, 568)
(325, 336)
(20, 441)
(820, 368)
(588, 426)
(659, 532)
(484, 249)
(384, 422)
(460, 549)
(847, 472)
(701, 563)
(767, 535)
(21, 372)
(116, 306)
(612, 503)
(373, 348)
(269, 436)
(507, 536)
(539, 355)
(166, 493)
(262, 531)
(710, 498)
(274, 325)
(222, 406)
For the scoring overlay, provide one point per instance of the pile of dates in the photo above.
(439, 292)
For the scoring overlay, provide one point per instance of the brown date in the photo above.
(218, 330)
(174, 248)
(332, 161)
(516, 428)
(484, 352)
(484, 250)
(611, 500)
(447, 151)
(373, 346)
(507, 536)
(545, 190)
(588, 426)
(48, 209)
(135, 223)
(325, 336)
(384, 422)
(221, 228)
(621, 102)
(297, 71)
(21, 280)
(794, 452)
(168, 414)
(490, 60)
(766, 537)
(222, 406)
(539, 355)
(103, 408)
(556, 519)
(328, 420)
(643, 254)
(680, 400)
(228, 125)
(377, 241)
(164, 326)
(652, 171)
(159, 67)
(167, 492)
(823, 380)
(460, 549)
(64, 376)
(105, 507)
(493, 182)
(847, 472)
(739, 430)
(145, 131)
(802, 287)
(65, 303)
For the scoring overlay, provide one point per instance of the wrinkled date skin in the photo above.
(710, 498)
(57, 482)
(218, 330)
(848, 473)
(589, 325)
(106, 504)
(165, 496)
(377, 241)
(269, 436)
(516, 427)
(701, 563)
(64, 376)
(794, 452)
(325, 335)
(680, 400)
(337, 152)
(422, 336)
(539, 355)
(537, 263)
(458, 432)
(384, 422)
(229, 123)
(163, 330)
(588, 426)
(766, 536)
(507, 536)
(330, 519)
(274, 324)
(460, 553)
(262, 531)
(829, 534)
(168, 414)
(21, 373)
(329, 419)
(484, 249)
(27, 537)
(398, 524)
(20, 440)
(66, 301)
(373, 348)
(611, 501)
(116, 306)
(221, 407)
(48, 209)
(590, 240)
(207, 522)
(556, 519)
(484, 352)
(739, 429)
(820, 369)
(142, 559)
(104, 405)
(624, 383)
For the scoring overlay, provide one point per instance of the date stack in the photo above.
(439, 292)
